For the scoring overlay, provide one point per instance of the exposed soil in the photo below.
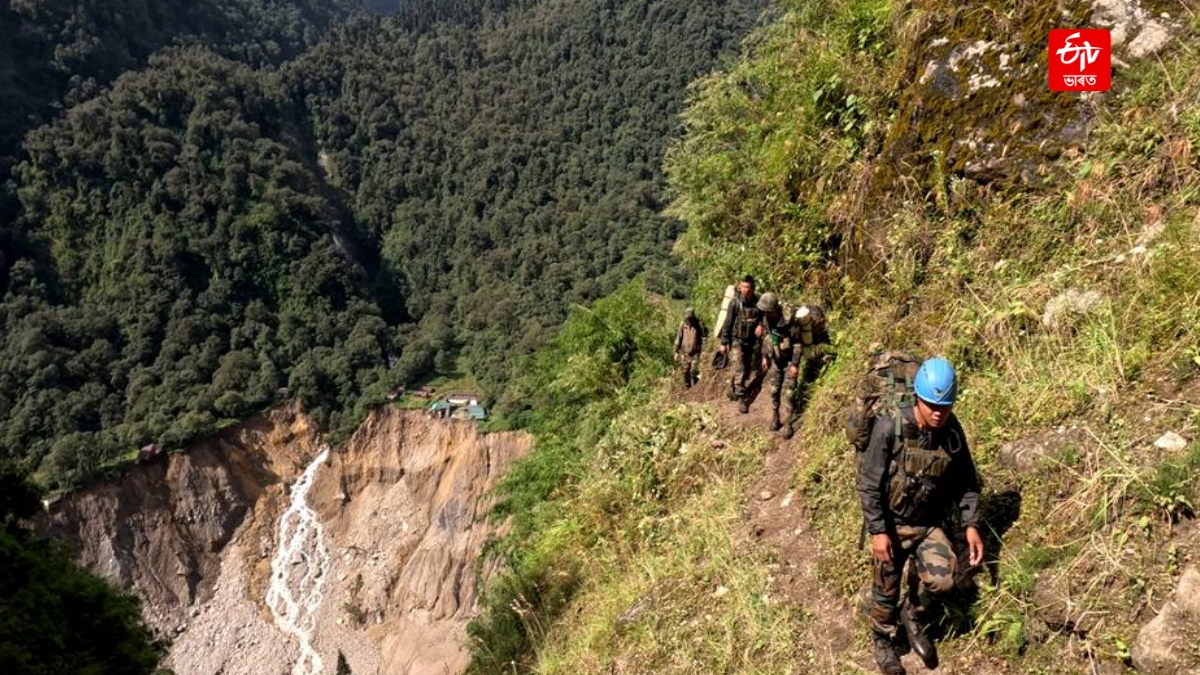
(403, 507)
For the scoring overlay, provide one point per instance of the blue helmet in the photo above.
(936, 382)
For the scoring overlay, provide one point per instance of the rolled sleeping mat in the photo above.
(804, 321)
(730, 292)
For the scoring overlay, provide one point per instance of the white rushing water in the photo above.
(298, 570)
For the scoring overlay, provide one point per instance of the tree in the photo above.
(56, 617)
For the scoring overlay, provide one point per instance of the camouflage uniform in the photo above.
(932, 572)
(907, 484)
(810, 351)
(738, 335)
(689, 342)
(780, 352)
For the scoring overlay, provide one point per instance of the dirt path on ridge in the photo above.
(772, 514)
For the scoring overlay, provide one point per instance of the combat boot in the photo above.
(789, 430)
(920, 642)
(885, 656)
(743, 406)
(776, 425)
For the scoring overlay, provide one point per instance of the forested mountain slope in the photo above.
(55, 616)
(208, 235)
(510, 170)
(53, 47)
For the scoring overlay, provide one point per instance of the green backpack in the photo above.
(886, 387)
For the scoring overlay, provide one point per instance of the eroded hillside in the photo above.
(392, 578)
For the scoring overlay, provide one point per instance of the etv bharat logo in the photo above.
(1080, 60)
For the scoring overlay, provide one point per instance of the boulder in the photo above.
(1065, 308)
(1170, 643)
(1027, 453)
(1171, 442)
(1055, 605)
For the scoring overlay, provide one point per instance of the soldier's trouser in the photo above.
(810, 368)
(781, 384)
(933, 566)
(743, 363)
(691, 369)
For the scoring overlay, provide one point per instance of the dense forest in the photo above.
(226, 226)
(57, 53)
(508, 171)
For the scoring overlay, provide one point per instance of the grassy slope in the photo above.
(650, 515)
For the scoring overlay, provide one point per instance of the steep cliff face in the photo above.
(404, 507)
(162, 528)
(386, 574)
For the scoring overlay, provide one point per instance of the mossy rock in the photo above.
(976, 103)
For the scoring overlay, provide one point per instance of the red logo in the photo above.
(1080, 60)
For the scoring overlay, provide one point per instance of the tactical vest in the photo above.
(690, 340)
(748, 318)
(917, 489)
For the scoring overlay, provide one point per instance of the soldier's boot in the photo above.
(743, 406)
(776, 425)
(920, 642)
(789, 430)
(885, 656)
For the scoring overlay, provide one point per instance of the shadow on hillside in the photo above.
(997, 513)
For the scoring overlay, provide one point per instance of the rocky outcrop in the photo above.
(1063, 311)
(1136, 31)
(403, 511)
(976, 102)
(1170, 644)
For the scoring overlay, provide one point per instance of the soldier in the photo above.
(777, 355)
(740, 336)
(810, 351)
(916, 467)
(689, 341)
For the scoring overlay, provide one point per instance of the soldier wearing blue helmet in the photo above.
(915, 469)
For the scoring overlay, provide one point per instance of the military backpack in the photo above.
(886, 387)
